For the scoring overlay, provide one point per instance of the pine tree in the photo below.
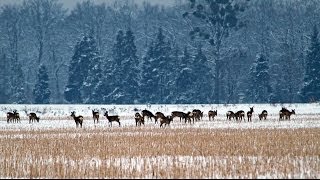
(84, 59)
(260, 80)
(311, 87)
(41, 91)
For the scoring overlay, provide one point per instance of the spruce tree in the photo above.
(130, 69)
(41, 91)
(185, 82)
(260, 80)
(311, 87)
(4, 80)
(17, 84)
(85, 56)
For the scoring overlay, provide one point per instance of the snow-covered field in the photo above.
(55, 148)
(307, 115)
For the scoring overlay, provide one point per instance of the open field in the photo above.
(55, 148)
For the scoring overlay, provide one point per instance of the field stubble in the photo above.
(147, 152)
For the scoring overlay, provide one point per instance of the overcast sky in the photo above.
(71, 3)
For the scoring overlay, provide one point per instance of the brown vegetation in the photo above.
(160, 153)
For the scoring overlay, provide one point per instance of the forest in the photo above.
(191, 52)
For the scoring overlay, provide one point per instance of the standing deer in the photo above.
(239, 115)
(197, 114)
(263, 115)
(139, 119)
(249, 114)
(148, 114)
(112, 118)
(77, 119)
(11, 116)
(166, 120)
(212, 114)
(33, 117)
(95, 116)
(230, 114)
(285, 113)
(179, 114)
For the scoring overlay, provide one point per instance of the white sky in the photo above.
(71, 3)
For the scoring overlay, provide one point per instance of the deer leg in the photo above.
(119, 123)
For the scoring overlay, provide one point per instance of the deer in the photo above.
(239, 115)
(230, 114)
(212, 114)
(263, 115)
(159, 115)
(77, 119)
(13, 117)
(112, 118)
(178, 114)
(166, 120)
(249, 114)
(139, 119)
(95, 116)
(197, 114)
(285, 113)
(189, 116)
(148, 114)
(33, 117)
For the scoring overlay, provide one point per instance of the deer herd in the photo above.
(164, 120)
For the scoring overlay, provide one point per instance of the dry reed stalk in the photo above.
(160, 153)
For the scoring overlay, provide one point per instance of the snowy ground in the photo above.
(58, 116)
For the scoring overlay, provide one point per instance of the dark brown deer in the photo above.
(139, 119)
(285, 113)
(212, 114)
(230, 114)
(11, 116)
(77, 119)
(148, 114)
(166, 120)
(33, 117)
(239, 115)
(197, 114)
(263, 115)
(159, 115)
(95, 116)
(112, 118)
(189, 116)
(179, 114)
(249, 114)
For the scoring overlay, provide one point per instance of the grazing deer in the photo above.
(95, 116)
(179, 114)
(239, 115)
(249, 114)
(285, 113)
(159, 115)
(263, 115)
(197, 114)
(148, 114)
(230, 114)
(77, 119)
(212, 114)
(166, 120)
(33, 117)
(112, 118)
(139, 119)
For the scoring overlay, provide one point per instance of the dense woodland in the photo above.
(196, 51)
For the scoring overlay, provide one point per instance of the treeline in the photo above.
(219, 51)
